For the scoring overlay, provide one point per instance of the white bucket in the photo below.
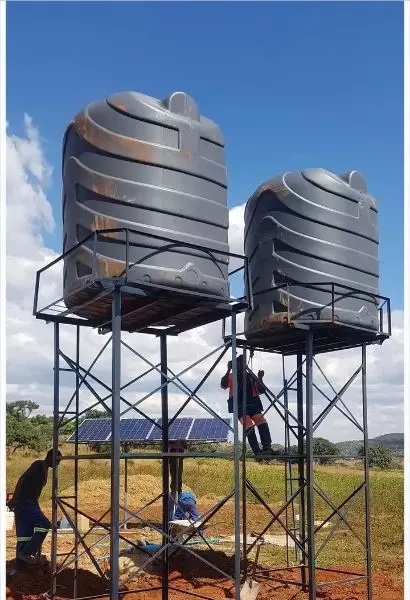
(9, 520)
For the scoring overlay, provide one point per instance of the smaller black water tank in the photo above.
(154, 166)
(312, 227)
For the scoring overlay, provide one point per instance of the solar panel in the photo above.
(93, 430)
(178, 430)
(134, 430)
(210, 430)
(140, 430)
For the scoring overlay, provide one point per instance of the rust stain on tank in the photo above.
(110, 268)
(137, 149)
(104, 267)
(119, 106)
(108, 188)
(112, 142)
(82, 124)
(279, 189)
(105, 187)
(276, 318)
(100, 222)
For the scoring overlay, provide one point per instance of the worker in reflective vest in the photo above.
(250, 407)
(32, 525)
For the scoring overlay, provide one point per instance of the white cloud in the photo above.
(30, 342)
(236, 219)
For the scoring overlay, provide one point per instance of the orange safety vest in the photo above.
(255, 387)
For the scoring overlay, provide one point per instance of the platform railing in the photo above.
(96, 238)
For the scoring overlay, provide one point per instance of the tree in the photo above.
(21, 408)
(380, 457)
(23, 432)
(94, 413)
(67, 427)
(323, 451)
(322, 448)
(42, 420)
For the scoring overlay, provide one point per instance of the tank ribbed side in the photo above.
(312, 227)
(156, 167)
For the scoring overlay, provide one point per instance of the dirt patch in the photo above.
(187, 573)
(191, 575)
(35, 581)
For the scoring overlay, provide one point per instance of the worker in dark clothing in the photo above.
(176, 469)
(32, 525)
(176, 466)
(249, 407)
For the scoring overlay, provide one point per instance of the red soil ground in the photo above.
(184, 577)
(190, 575)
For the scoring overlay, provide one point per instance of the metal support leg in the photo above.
(243, 483)
(236, 464)
(176, 499)
(366, 476)
(310, 473)
(288, 469)
(165, 465)
(56, 417)
(77, 410)
(115, 443)
(301, 468)
(125, 492)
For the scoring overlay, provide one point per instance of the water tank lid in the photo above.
(356, 180)
(182, 104)
(178, 106)
(350, 185)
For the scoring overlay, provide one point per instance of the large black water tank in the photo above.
(154, 166)
(312, 227)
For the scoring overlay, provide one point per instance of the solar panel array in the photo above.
(143, 430)
(178, 430)
(134, 429)
(93, 430)
(209, 429)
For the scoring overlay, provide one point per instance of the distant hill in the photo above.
(395, 441)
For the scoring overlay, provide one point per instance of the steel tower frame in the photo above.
(298, 338)
(191, 309)
(306, 339)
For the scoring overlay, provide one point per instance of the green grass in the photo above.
(215, 477)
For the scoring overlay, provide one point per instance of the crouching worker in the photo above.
(32, 526)
(249, 408)
(186, 509)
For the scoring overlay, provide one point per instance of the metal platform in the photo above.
(145, 307)
(285, 333)
(328, 337)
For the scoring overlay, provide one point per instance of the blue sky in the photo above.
(292, 85)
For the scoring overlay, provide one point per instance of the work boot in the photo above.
(266, 439)
(34, 545)
(27, 559)
(268, 453)
(253, 440)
